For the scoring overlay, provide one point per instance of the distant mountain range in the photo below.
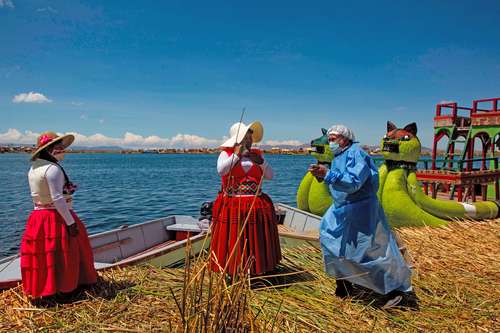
(16, 145)
(269, 147)
(108, 148)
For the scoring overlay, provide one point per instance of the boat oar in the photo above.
(229, 178)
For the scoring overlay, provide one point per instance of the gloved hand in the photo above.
(319, 171)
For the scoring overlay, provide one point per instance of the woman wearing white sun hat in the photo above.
(241, 200)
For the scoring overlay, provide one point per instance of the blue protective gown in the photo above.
(356, 240)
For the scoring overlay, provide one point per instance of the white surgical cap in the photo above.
(342, 130)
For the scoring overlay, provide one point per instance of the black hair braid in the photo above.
(45, 155)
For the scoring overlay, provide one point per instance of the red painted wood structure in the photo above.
(460, 171)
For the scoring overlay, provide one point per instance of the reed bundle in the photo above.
(456, 277)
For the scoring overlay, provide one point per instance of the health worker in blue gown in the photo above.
(357, 243)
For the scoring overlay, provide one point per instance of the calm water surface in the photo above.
(117, 189)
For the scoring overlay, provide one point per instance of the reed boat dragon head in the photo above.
(401, 144)
(321, 149)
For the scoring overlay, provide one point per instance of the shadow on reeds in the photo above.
(104, 289)
(370, 298)
(281, 277)
(215, 301)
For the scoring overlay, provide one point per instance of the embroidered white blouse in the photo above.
(226, 162)
(46, 182)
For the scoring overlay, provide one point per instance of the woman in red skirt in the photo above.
(244, 221)
(55, 251)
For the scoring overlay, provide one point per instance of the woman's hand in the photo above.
(240, 150)
(254, 157)
(236, 150)
(73, 230)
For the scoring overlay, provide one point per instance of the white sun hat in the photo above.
(239, 130)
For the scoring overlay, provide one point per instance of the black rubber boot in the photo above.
(404, 300)
(410, 301)
(344, 289)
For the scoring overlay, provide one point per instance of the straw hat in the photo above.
(47, 139)
(239, 130)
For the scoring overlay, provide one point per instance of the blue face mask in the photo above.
(335, 147)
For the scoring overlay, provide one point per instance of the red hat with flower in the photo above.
(47, 139)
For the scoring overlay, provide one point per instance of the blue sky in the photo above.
(180, 72)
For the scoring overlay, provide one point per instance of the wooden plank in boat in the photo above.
(151, 249)
(285, 231)
(108, 246)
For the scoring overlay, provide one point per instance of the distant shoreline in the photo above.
(187, 152)
(302, 150)
(372, 150)
(172, 152)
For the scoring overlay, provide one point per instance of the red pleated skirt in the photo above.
(51, 260)
(259, 240)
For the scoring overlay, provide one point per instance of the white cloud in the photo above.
(46, 9)
(83, 116)
(132, 140)
(76, 103)
(96, 140)
(189, 140)
(295, 143)
(14, 136)
(101, 121)
(31, 97)
(6, 3)
(129, 140)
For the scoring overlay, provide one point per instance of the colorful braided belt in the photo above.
(245, 188)
(38, 205)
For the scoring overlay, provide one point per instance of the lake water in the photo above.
(116, 189)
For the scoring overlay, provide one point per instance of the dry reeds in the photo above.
(213, 302)
(456, 278)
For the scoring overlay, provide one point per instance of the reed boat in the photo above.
(159, 242)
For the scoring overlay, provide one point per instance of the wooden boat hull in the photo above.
(157, 243)
(296, 226)
(154, 242)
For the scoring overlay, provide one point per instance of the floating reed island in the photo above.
(456, 279)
